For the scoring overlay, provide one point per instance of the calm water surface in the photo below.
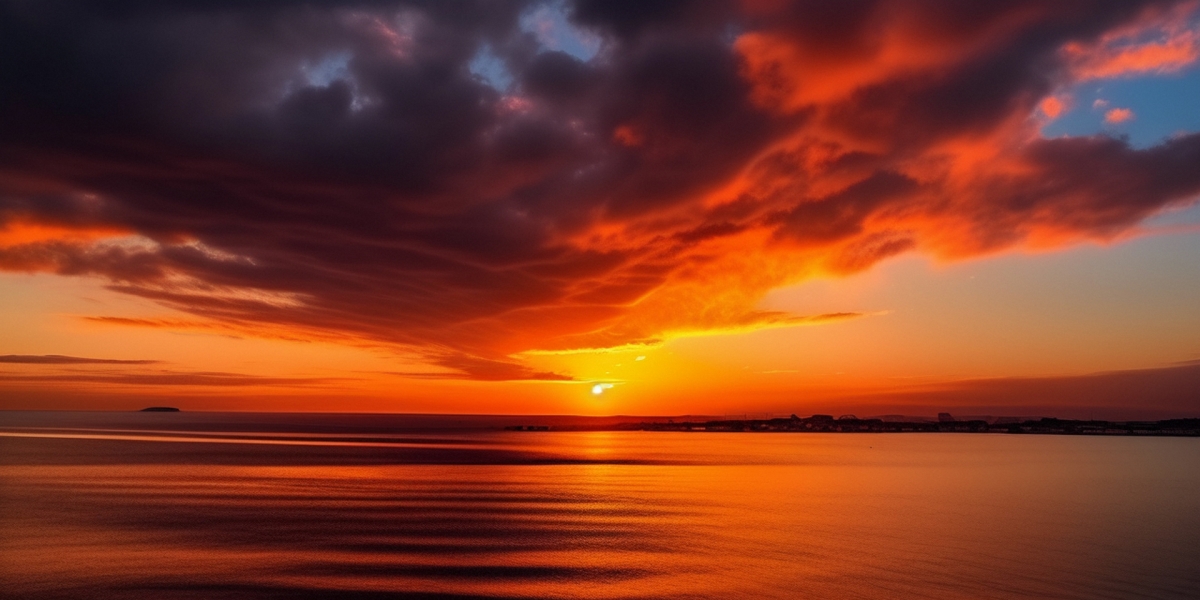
(300, 506)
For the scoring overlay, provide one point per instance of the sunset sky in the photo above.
(601, 207)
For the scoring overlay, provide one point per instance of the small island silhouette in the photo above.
(159, 409)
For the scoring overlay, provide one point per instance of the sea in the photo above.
(243, 505)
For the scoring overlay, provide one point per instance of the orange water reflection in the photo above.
(614, 515)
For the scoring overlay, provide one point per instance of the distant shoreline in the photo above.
(186, 420)
(946, 424)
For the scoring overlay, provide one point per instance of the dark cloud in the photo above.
(1155, 393)
(628, 18)
(558, 77)
(58, 359)
(350, 168)
(842, 214)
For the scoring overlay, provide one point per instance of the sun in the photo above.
(600, 387)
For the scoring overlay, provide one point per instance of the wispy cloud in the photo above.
(58, 359)
(482, 369)
(1161, 392)
(169, 378)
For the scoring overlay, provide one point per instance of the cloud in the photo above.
(1164, 392)
(58, 359)
(1160, 41)
(1053, 106)
(338, 170)
(226, 327)
(168, 378)
(482, 369)
(1118, 115)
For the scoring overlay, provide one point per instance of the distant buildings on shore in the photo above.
(944, 424)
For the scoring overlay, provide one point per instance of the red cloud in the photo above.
(1161, 41)
(1052, 106)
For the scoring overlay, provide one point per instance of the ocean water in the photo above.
(205, 505)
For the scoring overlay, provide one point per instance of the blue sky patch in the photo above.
(1162, 106)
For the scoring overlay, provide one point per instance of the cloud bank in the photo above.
(446, 179)
(58, 359)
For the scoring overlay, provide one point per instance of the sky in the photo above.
(601, 207)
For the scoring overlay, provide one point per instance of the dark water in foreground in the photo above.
(260, 506)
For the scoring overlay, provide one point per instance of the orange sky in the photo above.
(611, 212)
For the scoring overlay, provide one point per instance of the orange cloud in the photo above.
(19, 232)
(1160, 41)
(227, 327)
(165, 378)
(1107, 61)
(1118, 115)
(1052, 106)
(58, 359)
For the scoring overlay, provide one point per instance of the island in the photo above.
(159, 409)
